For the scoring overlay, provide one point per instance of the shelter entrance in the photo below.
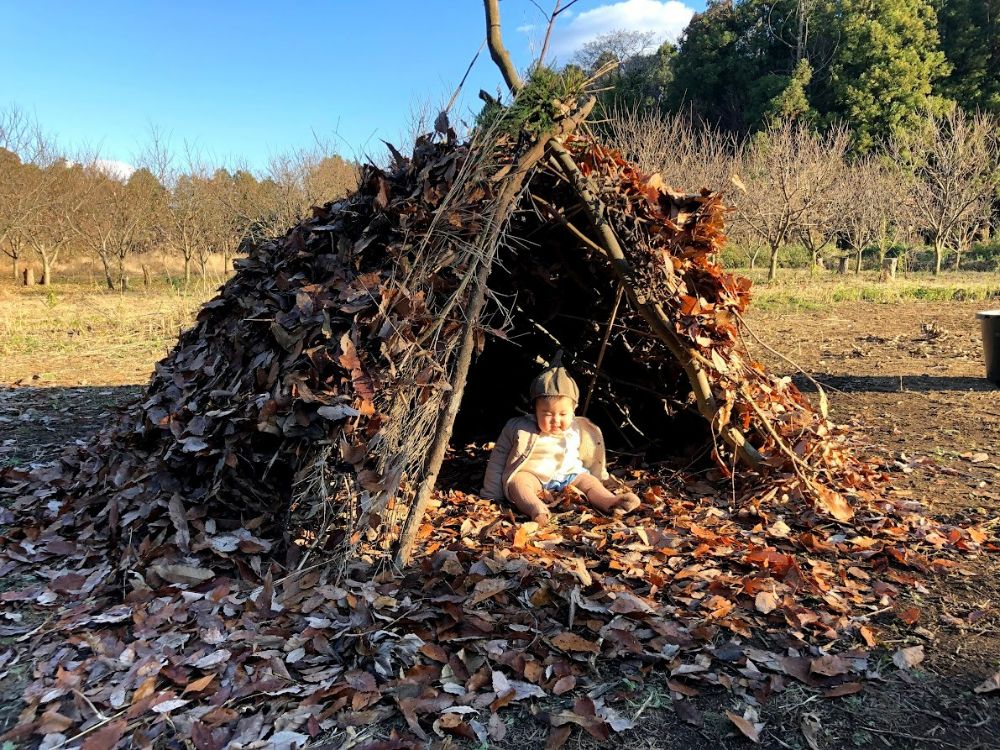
(549, 294)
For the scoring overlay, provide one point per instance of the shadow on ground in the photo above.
(894, 383)
(35, 423)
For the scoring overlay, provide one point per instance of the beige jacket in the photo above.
(514, 447)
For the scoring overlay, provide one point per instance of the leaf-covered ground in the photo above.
(910, 374)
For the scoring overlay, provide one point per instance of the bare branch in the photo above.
(497, 51)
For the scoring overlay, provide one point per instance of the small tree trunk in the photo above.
(146, 278)
(29, 276)
(109, 279)
(187, 269)
(857, 267)
(46, 271)
(888, 269)
(842, 265)
(938, 256)
(958, 258)
(17, 268)
(772, 270)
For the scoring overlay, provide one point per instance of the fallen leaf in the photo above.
(907, 658)
(848, 688)
(830, 665)
(989, 685)
(749, 728)
(811, 728)
(106, 737)
(487, 589)
(199, 685)
(568, 641)
(558, 736)
(766, 602)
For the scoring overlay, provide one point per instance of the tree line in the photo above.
(791, 185)
(874, 67)
(53, 207)
(836, 126)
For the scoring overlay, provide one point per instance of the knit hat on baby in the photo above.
(555, 381)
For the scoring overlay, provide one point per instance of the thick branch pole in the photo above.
(489, 242)
(653, 314)
(497, 51)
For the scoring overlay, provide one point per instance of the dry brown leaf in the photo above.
(568, 641)
(766, 602)
(907, 658)
(749, 729)
(989, 685)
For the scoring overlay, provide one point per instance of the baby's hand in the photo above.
(626, 502)
(542, 518)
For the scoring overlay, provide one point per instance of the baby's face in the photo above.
(554, 414)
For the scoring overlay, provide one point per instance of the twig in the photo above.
(489, 240)
(461, 83)
(88, 730)
(604, 347)
(775, 352)
(566, 223)
(904, 735)
(692, 361)
(649, 699)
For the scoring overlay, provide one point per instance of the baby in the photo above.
(550, 451)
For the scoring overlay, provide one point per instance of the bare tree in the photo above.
(24, 187)
(48, 224)
(965, 231)
(119, 218)
(786, 173)
(954, 165)
(184, 220)
(822, 218)
(688, 155)
(304, 178)
(619, 45)
(877, 206)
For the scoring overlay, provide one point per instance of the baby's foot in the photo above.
(625, 503)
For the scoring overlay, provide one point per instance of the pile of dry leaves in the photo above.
(688, 594)
(180, 600)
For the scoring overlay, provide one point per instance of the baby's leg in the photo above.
(523, 491)
(602, 498)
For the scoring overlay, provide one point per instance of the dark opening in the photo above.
(560, 296)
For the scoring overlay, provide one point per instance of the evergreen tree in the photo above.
(881, 77)
(970, 39)
(737, 65)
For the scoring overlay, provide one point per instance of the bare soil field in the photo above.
(909, 378)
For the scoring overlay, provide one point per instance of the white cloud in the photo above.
(118, 170)
(666, 19)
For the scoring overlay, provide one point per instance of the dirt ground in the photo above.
(908, 376)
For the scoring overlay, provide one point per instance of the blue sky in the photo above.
(238, 81)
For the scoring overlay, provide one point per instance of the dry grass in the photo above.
(70, 334)
(75, 333)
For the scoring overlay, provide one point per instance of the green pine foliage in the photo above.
(970, 39)
(545, 97)
(888, 59)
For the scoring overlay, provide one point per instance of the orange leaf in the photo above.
(572, 642)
